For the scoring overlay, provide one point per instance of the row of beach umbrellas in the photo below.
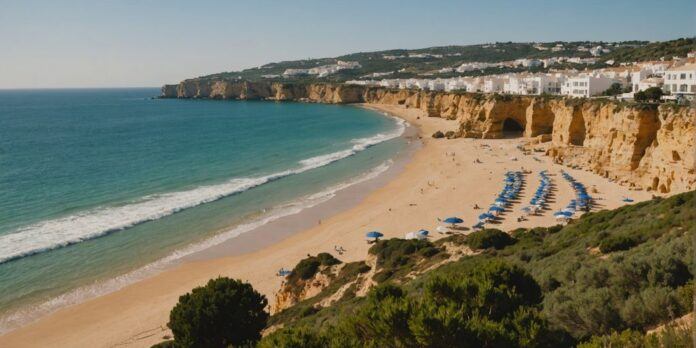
(374, 236)
(513, 185)
(538, 202)
(582, 199)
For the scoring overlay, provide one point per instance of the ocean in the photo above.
(102, 187)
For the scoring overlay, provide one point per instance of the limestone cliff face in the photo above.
(642, 146)
(293, 293)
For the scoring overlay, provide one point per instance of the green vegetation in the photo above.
(402, 64)
(586, 292)
(602, 280)
(616, 89)
(672, 336)
(652, 94)
(224, 312)
(616, 243)
(398, 257)
(494, 305)
(489, 238)
(308, 267)
(652, 51)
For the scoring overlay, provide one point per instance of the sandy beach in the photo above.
(441, 178)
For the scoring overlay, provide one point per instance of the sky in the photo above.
(59, 44)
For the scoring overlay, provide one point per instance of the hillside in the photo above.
(626, 269)
(402, 63)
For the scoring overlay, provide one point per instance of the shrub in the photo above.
(395, 252)
(614, 89)
(616, 243)
(489, 238)
(491, 305)
(224, 312)
(293, 338)
(670, 336)
(309, 266)
(438, 135)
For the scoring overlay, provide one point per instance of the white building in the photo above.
(533, 85)
(585, 86)
(680, 81)
(648, 83)
(389, 83)
(437, 85)
(475, 66)
(650, 75)
(322, 71)
(598, 51)
(528, 63)
(493, 84)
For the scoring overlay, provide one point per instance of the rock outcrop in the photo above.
(645, 146)
(293, 292)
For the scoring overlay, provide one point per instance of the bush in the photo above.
(395, 252)
(309, 266)
(491, 305)
(223, 313)
(650, 94)
(614, 89)
(671, 336)
(489, 238)
(293, 338)
(438, 135)
(616, 243)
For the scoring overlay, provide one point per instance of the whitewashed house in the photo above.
(456, 84)
(389, 83)
(648, 83)
(493, 84)
(436, 85)
(680, 81)
(585, 86)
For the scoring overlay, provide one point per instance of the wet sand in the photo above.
(437, 180)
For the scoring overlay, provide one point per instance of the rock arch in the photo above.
(512, 127)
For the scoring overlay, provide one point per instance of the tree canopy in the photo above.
(225, 312)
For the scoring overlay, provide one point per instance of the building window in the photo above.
(682, 76)
(693, 88)
(682, 88)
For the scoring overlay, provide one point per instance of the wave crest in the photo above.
(57, 233)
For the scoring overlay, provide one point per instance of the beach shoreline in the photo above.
(269, 227)
(441, 178)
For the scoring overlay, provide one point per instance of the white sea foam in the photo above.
(27, 314)
(60, 232)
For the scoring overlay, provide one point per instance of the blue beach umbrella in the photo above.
(373, 235)
(453, 220)
(423, 232)
(485, 216)
(284, 272)
(627, 200)
(496, 208)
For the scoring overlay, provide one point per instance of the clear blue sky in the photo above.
(149, 43)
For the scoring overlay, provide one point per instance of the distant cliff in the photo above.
(640, 145)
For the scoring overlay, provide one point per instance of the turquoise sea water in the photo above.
(99, 186)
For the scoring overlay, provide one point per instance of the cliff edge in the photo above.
(644, 146)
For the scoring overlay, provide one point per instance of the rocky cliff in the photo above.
(645, 146)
